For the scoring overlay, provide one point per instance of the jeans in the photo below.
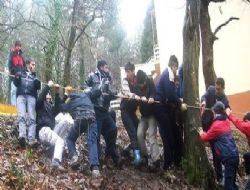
(46, 135)
(231, 166)
(107, 127)
(27, 104)
(13, 98)
(81, 125)
(130, 122)
(148, 124)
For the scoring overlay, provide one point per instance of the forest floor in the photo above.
(30, 168)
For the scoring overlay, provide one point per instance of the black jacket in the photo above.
(27, 83)
(149, 92)
(101, 92)
(46, 111)
(79, 106)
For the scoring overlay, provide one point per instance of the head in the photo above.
(48, 98)
(173, 64)
(219, 86)
(141, 77)
(219, 108)
(102, 66)
(68, 90)
(130, 70)
(31, 65)
(247, 117)
(18, 45)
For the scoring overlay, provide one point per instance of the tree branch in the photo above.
(222, 25)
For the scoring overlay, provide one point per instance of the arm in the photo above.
(126, 89)
(58, 103)
(211, 134)
(152, 89)
(42, 97)
(244, 127)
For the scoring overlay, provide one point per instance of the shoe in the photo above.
(22, 142)
(137, 158)
(95, 172)
(55, 164)
(74, 160)
(33, 143)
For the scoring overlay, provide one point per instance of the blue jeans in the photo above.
(107, 127)
(130, 122)
(26, 104)
(231, 166)
(80, 126)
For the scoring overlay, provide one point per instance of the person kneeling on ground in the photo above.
(224, 144)
(81, 109)
(244, 127)
(52, 131)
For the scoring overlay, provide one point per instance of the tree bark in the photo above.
(71, 44)
(207, 39)
(195, 163)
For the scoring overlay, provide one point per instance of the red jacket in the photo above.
(217, 129)
(243, 126)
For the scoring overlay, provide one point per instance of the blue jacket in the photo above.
(166, 91)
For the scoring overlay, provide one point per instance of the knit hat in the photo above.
(218, 107)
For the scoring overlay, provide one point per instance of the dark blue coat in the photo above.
(166, 91)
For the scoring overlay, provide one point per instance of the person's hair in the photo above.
(247, 117)
(141, 76)
(221, 82)
(101, 63)
(18, 43)
(129, 67)
(173, 61)
(28, 61)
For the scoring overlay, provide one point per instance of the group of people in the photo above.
(89, 112)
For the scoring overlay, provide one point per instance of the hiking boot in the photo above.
(22, 142)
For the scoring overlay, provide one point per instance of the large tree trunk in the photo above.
(196, 165)
(207, 45)
(71, 44)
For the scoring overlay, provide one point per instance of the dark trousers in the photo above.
(107, 127)
(217, 163)
(171, 134)
(80, 126)
(231, 166)
(130, 122)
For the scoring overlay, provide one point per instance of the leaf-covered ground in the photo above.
(30, 168)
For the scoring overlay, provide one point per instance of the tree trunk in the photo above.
(207, 39)
(71, 44)
(195, 163)
(82, 63)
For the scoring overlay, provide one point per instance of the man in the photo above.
(146, 90)
(101, 80)
(208, 100)
(27, 86)
(82, 111)
(165, 113)
(128, 110)
(15, 64)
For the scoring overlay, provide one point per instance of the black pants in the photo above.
(171, 135)
(130, 122)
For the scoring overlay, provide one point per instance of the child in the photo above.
(244, 127)
(225, 147)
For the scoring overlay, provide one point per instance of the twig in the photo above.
(222, 25)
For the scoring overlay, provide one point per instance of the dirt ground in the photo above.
(30, 168)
